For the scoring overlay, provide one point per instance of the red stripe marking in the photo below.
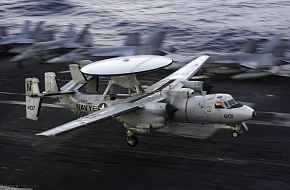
(186, 104)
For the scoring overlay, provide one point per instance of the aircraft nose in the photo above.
(248, 112)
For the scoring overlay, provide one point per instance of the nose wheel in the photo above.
(131, 139)
(238, 130)
(235, 134)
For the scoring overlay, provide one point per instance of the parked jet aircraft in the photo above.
(132, 46)
(3, 31)
(16, 43)
(172, 99)
(43, 51)
(247, 64)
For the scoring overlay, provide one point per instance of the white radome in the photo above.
(126, 65)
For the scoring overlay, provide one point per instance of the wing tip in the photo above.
(44, 134)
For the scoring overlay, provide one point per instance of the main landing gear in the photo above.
(131, 139)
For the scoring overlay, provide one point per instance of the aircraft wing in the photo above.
(103, 114)
(183, 74)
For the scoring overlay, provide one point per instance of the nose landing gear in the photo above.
(237, 130)
(235, 134)
(131, 139)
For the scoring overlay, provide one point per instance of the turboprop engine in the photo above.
(152, 116)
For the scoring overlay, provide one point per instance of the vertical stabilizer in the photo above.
(76, 74)
(3, 31)
(133, 39)
(33, 100)
(251, 47)
(42, 35)
(26, 28)
(84, 37)
(51, 85)
(70, 32)
(274, 43)
(156, 38)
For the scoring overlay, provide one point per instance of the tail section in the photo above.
(40, 34)
(26, 28)
(34, 97)
(251, 47)
(156, 38)
(70, 33)
(38, 27)
(33, 100)
(273, 43)
(133, 39)
(3, 31)
(84, 37)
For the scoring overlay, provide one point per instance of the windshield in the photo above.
(232, 104)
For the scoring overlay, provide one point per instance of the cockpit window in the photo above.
(219, 105)
(232, 104)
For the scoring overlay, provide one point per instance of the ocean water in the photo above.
(193, 26)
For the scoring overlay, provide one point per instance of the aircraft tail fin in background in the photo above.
(273, 44)
(38, 27)
(70, 32)
(26, 28)
(40, 34)
(85, 37)
(3, 31)
(133, 39)
(251, 47)
(33, 98)
(156, 38)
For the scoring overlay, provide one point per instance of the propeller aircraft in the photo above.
(175, 98)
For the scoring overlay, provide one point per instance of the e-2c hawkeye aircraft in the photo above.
(172, 99)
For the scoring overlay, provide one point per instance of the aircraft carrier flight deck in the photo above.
(98, 157)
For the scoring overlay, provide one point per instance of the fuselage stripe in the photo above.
(186, 104)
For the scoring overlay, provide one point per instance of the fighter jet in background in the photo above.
(43, 51)
(3, 32)
(248, 64)
(16, 43)
(132, 46)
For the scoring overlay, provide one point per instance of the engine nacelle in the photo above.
(152, 115)
(197, 86)
(182, 92)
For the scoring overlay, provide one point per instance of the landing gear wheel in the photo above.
(132, 140)
(235, 134)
